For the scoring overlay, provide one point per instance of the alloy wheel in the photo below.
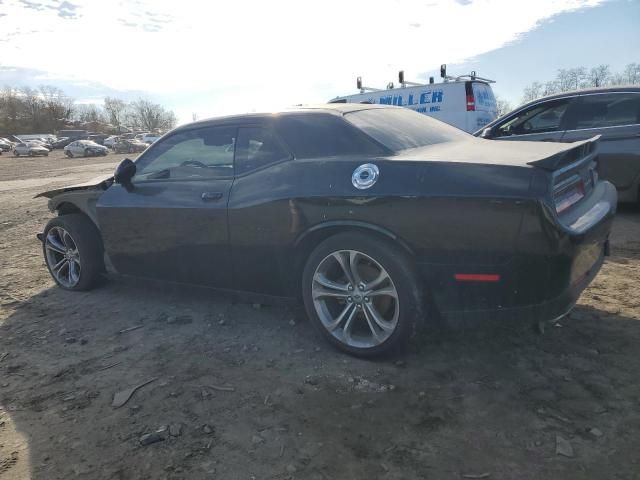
(63, 257)
(355, 299)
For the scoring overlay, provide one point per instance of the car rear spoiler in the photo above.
(582, 151)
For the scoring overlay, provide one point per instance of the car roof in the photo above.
(582, 92)
(331, 108)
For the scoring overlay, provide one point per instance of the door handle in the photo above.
(211, 196)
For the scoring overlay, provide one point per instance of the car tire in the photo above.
(87, 152)
(393, 315)
(68, 153)
(87, 256)
(15, 153)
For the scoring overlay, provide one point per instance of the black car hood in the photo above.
(98, 183)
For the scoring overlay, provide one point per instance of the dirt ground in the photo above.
(247, 392)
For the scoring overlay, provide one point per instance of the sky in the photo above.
(213, 58)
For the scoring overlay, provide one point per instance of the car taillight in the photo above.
(569, 194)
(471, 104)
(471, 101)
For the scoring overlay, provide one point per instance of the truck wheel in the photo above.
(362, 294)
(73, 251)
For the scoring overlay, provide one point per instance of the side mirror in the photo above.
(125, 171)
(486, 133)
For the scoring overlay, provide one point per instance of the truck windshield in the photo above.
(400, 128)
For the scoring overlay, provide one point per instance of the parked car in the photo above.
(98, 138)
(6, 146)
(30, 149)
(109, 141)
(85, 148)
(40, 143)
(129, 146)
(62, 142)
(373, 215)
(150, 138)
(613, 113)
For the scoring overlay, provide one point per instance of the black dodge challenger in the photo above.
(377, 217)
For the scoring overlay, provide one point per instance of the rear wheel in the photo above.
(362, 294)
(73, 251)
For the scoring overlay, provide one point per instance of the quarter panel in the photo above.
(446, 213)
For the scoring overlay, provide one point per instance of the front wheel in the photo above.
(15, 152)
(362, 294)
(68, 153)
(72, 250)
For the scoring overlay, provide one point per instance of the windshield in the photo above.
(399, 129)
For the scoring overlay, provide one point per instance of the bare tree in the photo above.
(570, 78)
(599, 76)
(631, 74)
(32, 107)
(116, 110)
(550, 88)
(89, 113)
(503, 106)
(150, 116)
(532, 92)
(10, 109)
(57, 107)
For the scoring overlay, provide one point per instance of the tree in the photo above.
(57, 107)
(10, 109)
(631, 74)
(116, 110)
(570, 78)
(599, 76)
(146, 115)
(90, 113)
(503, 106)
(532, 92)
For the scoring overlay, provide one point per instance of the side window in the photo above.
(192, 154)
(538, 119)
(612, 110)
(257, 147)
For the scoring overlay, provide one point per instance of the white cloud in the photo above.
(259, 54)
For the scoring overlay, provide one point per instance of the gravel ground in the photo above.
(248, 392)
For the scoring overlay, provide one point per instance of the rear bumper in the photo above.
(546, 277)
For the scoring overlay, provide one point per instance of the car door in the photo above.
(171, 223)
(543, 121)
(616, 117)
(259, 216)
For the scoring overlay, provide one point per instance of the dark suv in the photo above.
(613, 113)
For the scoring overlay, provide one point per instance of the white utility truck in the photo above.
(465, 101)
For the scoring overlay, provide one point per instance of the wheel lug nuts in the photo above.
(350, 287)
(361, 287)
(349, 299)
(367, 299)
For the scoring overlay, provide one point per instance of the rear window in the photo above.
(484, 99)
(315, 135)
(400, 128)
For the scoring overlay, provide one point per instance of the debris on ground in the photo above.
(563, 447)
(123, 396)
(130, 329)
